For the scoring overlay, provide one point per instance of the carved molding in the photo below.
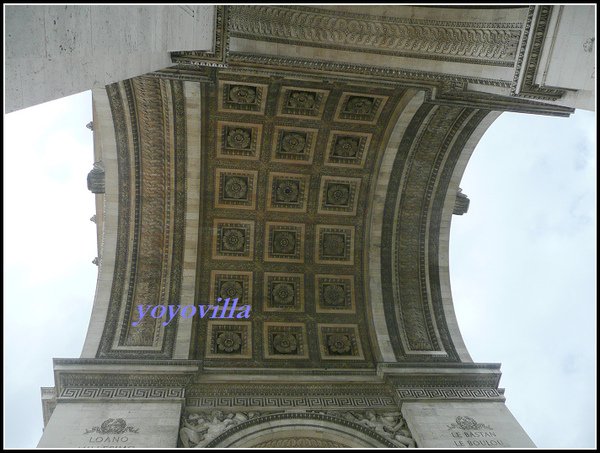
(435, 84)
(523, 84)
(124, 393)
(149, 257)
(481, 43)
(291, 401)
(343, 69)
(416, 321)
(219, 55)
(451, 393)
(130, 380)
(300, 442)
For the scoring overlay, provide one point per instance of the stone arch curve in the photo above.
(300, 430)
(413, 196)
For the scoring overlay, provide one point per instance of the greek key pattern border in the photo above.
(461, 393)
(72, 393)
(341, 401)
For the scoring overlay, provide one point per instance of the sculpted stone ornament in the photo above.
(461, 206)
(302, 100)
(293, 142)
(284, 242)
(112, 426)
(283, 294)
(338, 194)
(359, 105)
(285, 343)
(468, 424)
(339, 344)
(334, 295)
(287, 191)
(236, 188)
(95, 178)
(231, 290)
(334, 244)
(229, 342)
(346, 147)
(300, 442)
(447, 40)
(197, 430)
(388, 424)
(239, 138)
(241, 94)
(233, 239)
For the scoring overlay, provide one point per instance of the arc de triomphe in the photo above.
(305, 161)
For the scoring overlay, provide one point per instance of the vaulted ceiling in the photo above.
(318, 192)
(319, 203)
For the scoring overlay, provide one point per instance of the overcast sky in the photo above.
(522, 263)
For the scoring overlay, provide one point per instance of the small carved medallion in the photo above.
(340, 341)
(238, 140)
(339, 344)
(236, 188)
(287, 191)
(241, 94)
(229, 340)
(359, 105)
(285, 343)
(335, 244)
(307, 103)
(238, 137)
(284, 242)
(284, 292)
(335, 293)
(346, 147)
(285, 340)
(338, 194)
(242, 97)
(293, 142)
(233, 240)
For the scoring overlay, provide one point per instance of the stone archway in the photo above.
(295, 430)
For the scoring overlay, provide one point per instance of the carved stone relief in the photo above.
(205, 428)
(483, 43)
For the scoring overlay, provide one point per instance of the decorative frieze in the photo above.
(449, 393)
(474, 42)
(124, 393)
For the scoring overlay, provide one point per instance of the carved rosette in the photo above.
(228, 342)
